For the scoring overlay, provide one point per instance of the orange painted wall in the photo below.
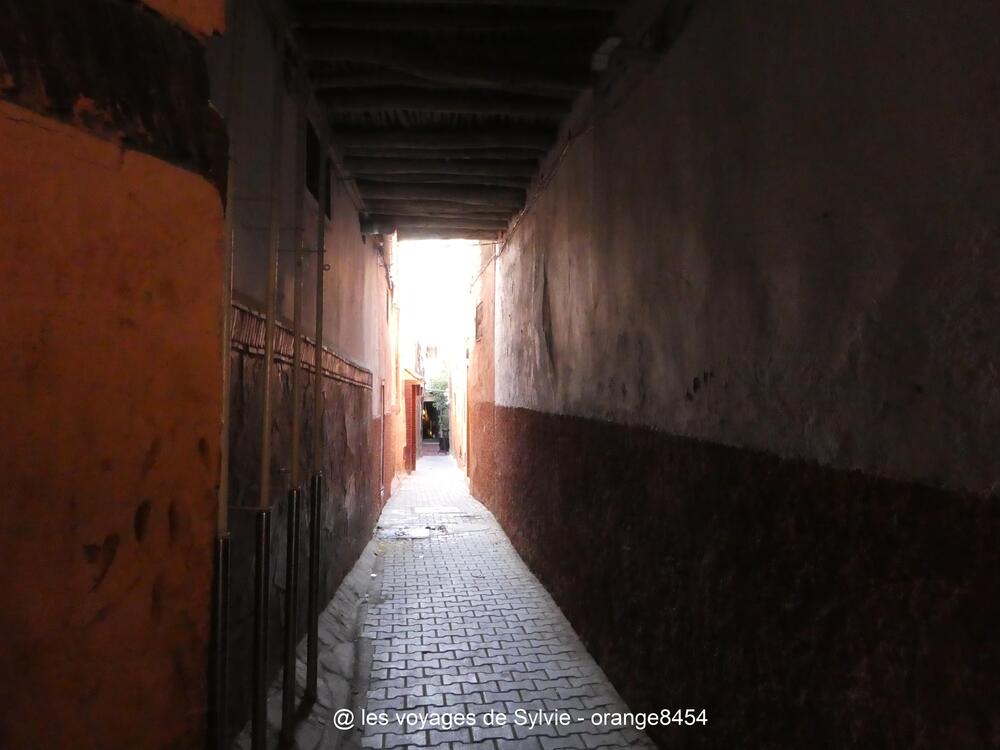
(110, 272)
(199, 16)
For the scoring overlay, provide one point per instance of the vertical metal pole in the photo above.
(300, 168)
(262, 566)
(291, 599)
(220, 626)
(315, 511)
(220, 638)
(323, 201)
(277, 123)
(381, 459)
(258, 729)
(292, 545)
(312, 647)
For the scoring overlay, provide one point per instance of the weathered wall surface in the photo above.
(799, 605)
(110, 255)
(747, 384)
(785, 239)
(147, 91)
(351, 501)
(109, 406)
(200, 16)
(355, 318)
(458, 412)
(481, 451)
(357, 309)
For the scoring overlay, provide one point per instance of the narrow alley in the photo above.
(459, 625)
(499, 373)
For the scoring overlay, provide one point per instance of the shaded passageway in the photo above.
(460, 626)
(440, 636)
(725, 371)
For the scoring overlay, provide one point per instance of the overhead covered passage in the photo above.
(443, 110)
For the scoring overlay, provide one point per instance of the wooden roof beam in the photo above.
(416, 100)
(473, 195)
(504, 153)
(435, 209)
(526, 139)
(385, 223)
(365, 165)
(450, 179)
(474, 71)
(447, 234)
(323, 78)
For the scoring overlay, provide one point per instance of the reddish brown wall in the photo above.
(801, 606)
(482, 457)
(351, 448)
(109, 403)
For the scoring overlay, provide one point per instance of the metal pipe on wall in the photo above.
(312, 640)
(270, 322)
(315, 512)
(220, 645)
(263, 557)
(262, 565)
(381, 452)
(291, 599)
(220, 615)
(300, 170)
(292, 548)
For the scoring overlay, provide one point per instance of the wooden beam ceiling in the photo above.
(524, 138)
(535, 74)
(435, 208)
(450, 102)
(362, 166)
(468, 19)
(430, 222)
(448, 234)
(431, 154)
(450, 179)
(472, 195)
(441, 110)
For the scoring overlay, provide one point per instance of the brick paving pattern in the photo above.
(459, 625)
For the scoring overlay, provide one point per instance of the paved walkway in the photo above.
(460, 626)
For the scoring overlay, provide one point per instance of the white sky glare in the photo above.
(432, 290)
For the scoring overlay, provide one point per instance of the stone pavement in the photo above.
(457, 624)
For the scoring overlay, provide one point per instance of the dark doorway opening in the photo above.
(431, 422)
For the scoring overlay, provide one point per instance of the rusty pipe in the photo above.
(291, 621)
(270, 323)
(300, 172)
(218, 710)
(315, 514)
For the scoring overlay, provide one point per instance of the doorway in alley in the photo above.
(430, 422)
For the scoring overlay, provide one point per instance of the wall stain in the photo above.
(102, 555)
(141, 522)
(156, 598)
(149, 460)
(173, 521)
(203, 451)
